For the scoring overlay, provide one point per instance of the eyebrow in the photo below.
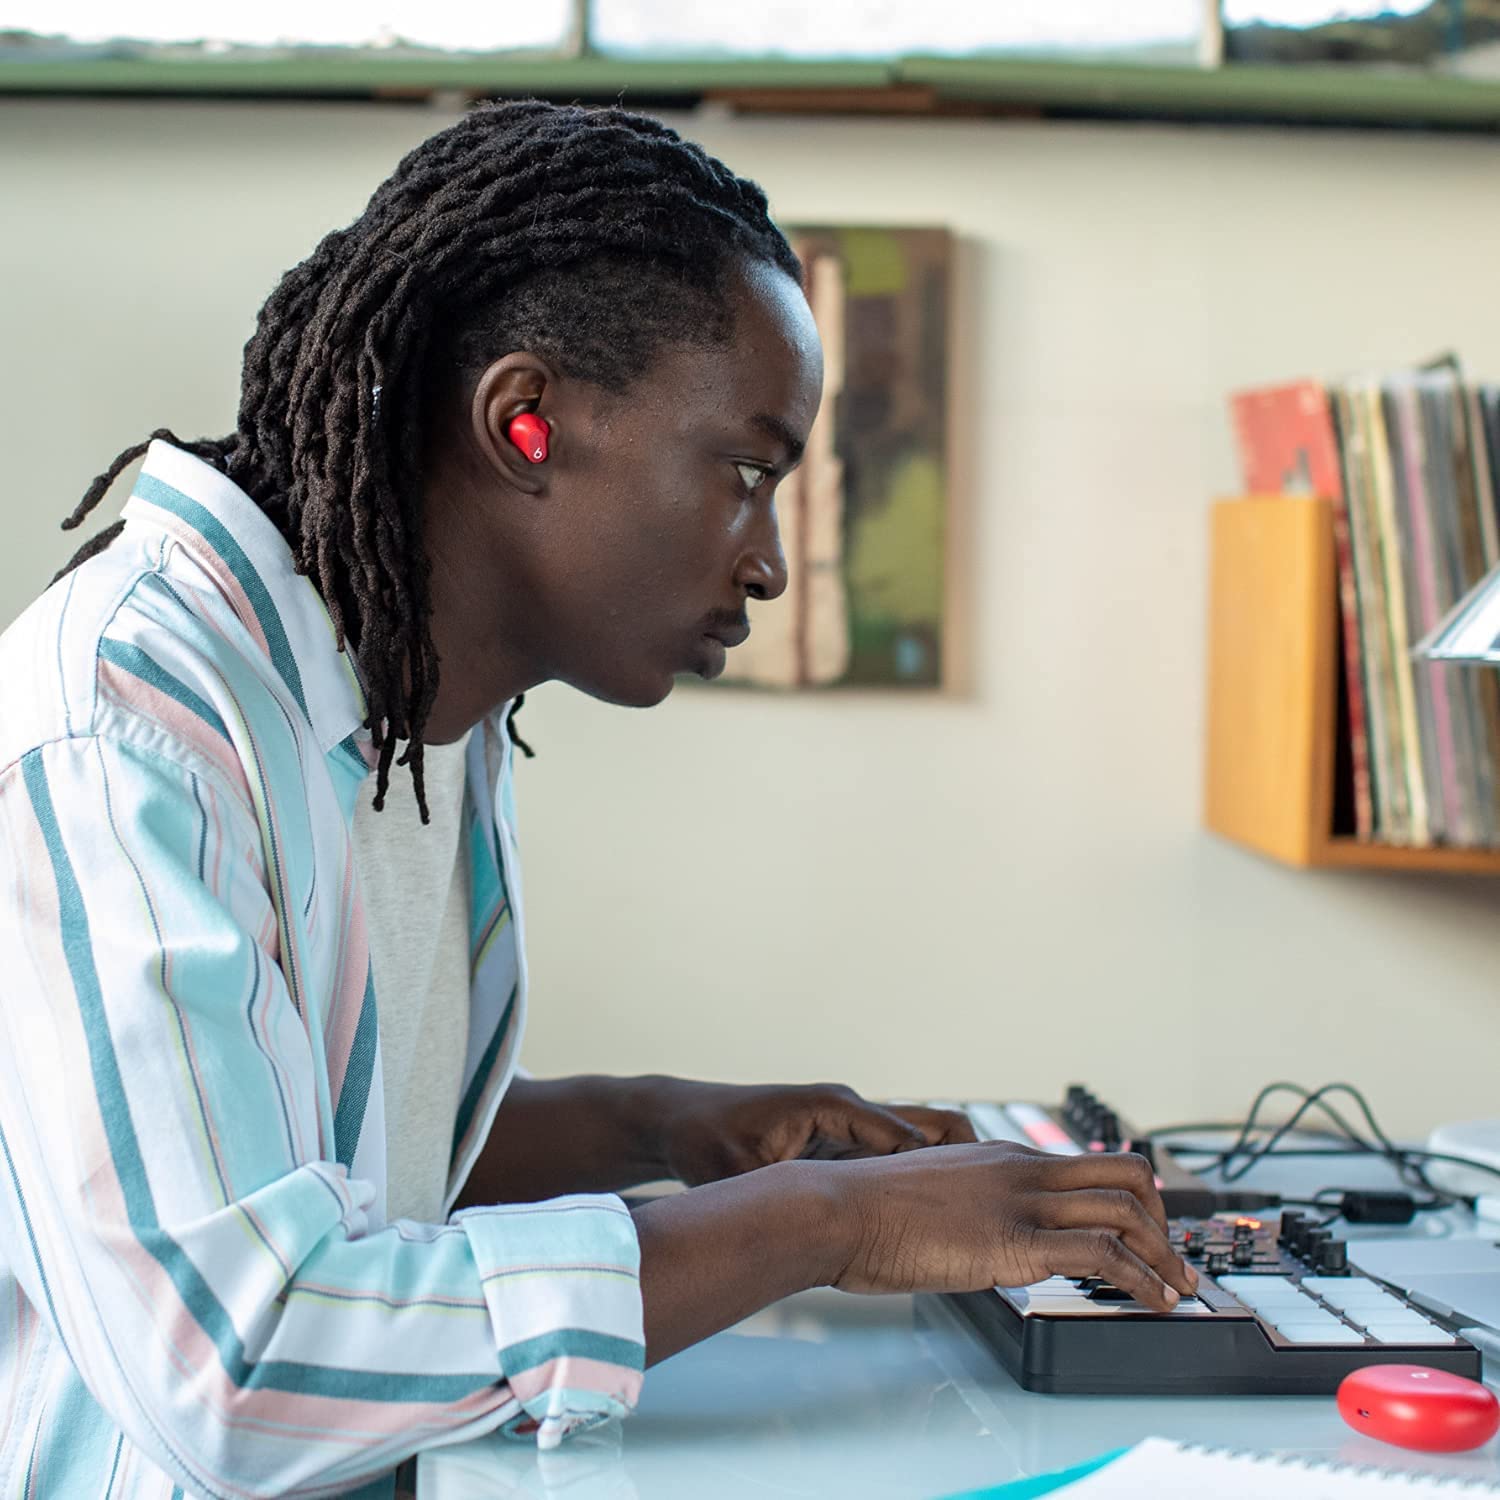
(775, 428)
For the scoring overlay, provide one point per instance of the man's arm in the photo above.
(588, 1134)
(592, 1134)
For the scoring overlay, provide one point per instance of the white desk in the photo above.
(829, 1395)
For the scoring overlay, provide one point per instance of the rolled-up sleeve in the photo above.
(170, 1203)
(562, 1283)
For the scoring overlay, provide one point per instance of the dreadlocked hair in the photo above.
(593, 238)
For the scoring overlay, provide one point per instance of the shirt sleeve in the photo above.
(167, 1201)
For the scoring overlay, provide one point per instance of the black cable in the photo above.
(1399, 1157)
(1279, 1132)
(1363, 1206)
(1242, 1139)
(1217, 1152)
(1328, 1218)
(1312, 1100)
(1309, 1100)
(1195, 1125)
(1459, 1161)
(1408, 1164)
(1188, 1149)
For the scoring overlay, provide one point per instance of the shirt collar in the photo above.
(229, 534)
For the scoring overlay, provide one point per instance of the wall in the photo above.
(996, 891)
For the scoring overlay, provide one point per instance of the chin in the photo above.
(649, 699)
(643, 691)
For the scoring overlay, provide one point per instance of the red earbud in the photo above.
(529, 433)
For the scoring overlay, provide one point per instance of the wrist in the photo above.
(643, 1110)
(819, 1211)
(716, 1254)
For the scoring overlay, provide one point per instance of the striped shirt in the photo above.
(199, 1291)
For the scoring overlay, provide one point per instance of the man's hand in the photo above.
(1005, 1215)
(709, 1131)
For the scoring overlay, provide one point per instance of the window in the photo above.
(117, 27)
(1163, 30)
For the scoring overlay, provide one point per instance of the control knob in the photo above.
(1333, 1257)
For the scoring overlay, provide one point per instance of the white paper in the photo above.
(1165, 1470)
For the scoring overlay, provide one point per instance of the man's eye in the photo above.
(751, 476)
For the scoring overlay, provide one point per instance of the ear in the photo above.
(513, 385)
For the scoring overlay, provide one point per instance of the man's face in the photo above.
(653, 520)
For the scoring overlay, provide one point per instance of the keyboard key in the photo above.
(1349, 1291)
(991, 1123)
(1287, 1312)
(1332, 1332)
(1266, 1292)
(1286, 1309)
(1365, 1316)
(1370, 1310)
(1260, 1286)
(1352, 1293)
(1309, 1315)
(1054, 1287)
(1403, 1333)
(1042, 1130)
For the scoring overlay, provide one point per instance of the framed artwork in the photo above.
(862, 519)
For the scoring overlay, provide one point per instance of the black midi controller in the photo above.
(1279, 1309)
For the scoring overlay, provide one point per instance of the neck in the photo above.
(484, 660)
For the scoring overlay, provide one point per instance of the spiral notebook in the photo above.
(1165, 1470)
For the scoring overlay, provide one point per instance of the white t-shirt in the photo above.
(416, 892)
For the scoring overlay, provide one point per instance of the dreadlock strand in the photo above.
(208, 449)
(97, 490)
(387, 748)
(514, 733)
(415, 761)
(91, 548)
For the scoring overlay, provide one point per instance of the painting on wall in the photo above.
(862, 519)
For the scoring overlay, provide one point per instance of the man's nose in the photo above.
(762, 568)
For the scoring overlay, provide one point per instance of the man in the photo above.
(522, 421)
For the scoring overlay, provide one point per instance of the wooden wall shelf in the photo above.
(1273, 663)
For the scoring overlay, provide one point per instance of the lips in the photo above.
(730, 635)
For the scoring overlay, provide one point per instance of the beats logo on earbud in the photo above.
(529, 433)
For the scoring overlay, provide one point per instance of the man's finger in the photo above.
(939, 1127)
(1097, 1252)
(869, 1129)
(1108, 1169)
(1114, 1208)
